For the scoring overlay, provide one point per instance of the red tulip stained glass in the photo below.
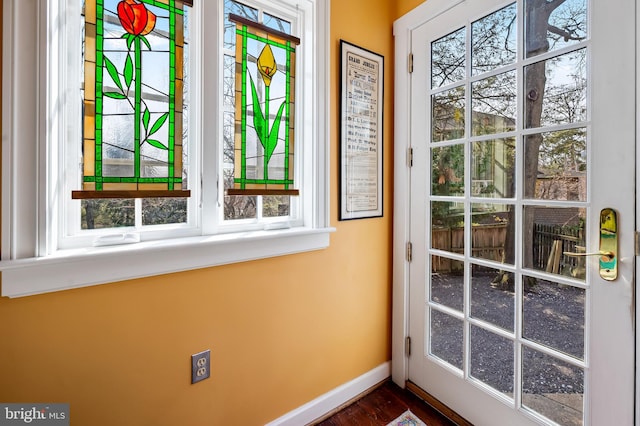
(133, 106)
(135, 18)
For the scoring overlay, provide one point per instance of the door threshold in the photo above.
(436, 404)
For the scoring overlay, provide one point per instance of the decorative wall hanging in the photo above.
(265, 105)
(361, 107)
(133, 99)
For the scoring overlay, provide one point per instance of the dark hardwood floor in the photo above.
(383, 405)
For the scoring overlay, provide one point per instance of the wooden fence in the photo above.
(549, 243)
(487, 243)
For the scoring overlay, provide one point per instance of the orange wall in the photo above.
(282, 331)
(404, 6)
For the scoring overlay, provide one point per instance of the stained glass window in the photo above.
(264, 115)
(133, 99)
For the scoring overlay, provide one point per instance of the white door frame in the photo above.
(637, 225)
(402, 29)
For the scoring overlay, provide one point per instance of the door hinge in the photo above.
(637, 243)
(410, 157)
(407, 346)
(409, 252)
(410, 63)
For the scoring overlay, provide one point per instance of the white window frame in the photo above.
(33, 261)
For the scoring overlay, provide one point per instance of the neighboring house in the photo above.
(569, 185)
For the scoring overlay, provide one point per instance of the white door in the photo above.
(523, 131)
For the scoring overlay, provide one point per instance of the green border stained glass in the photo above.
(133, 122)
(265, 106)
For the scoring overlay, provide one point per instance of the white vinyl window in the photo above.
(52, 242)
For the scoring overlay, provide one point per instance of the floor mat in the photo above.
(407, 419)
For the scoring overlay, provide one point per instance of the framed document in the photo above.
(361, 108)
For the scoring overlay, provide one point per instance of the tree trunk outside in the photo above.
(536, 42)
(89, 216)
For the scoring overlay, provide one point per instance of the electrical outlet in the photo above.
(200, 366)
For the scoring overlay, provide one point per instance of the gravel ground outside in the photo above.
(553, 315)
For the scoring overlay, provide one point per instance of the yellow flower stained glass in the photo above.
(265, 105)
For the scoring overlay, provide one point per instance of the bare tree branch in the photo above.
(563, 33)
(552, 5)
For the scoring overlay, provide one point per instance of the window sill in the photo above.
(68, 269)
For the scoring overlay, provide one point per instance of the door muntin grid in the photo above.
(506, 310)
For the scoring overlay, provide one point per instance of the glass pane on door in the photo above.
(494, 104)
(493, 168)
(447, 343)
(552, 387)
(492, 360)
(553, 315)
(569, 22)
(492, 297)
(493, 39)
(448, 59)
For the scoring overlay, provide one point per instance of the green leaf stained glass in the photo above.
(265, 105)
(133, 99)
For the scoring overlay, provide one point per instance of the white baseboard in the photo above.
(333, 399)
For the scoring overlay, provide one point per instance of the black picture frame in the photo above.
(361, 132)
